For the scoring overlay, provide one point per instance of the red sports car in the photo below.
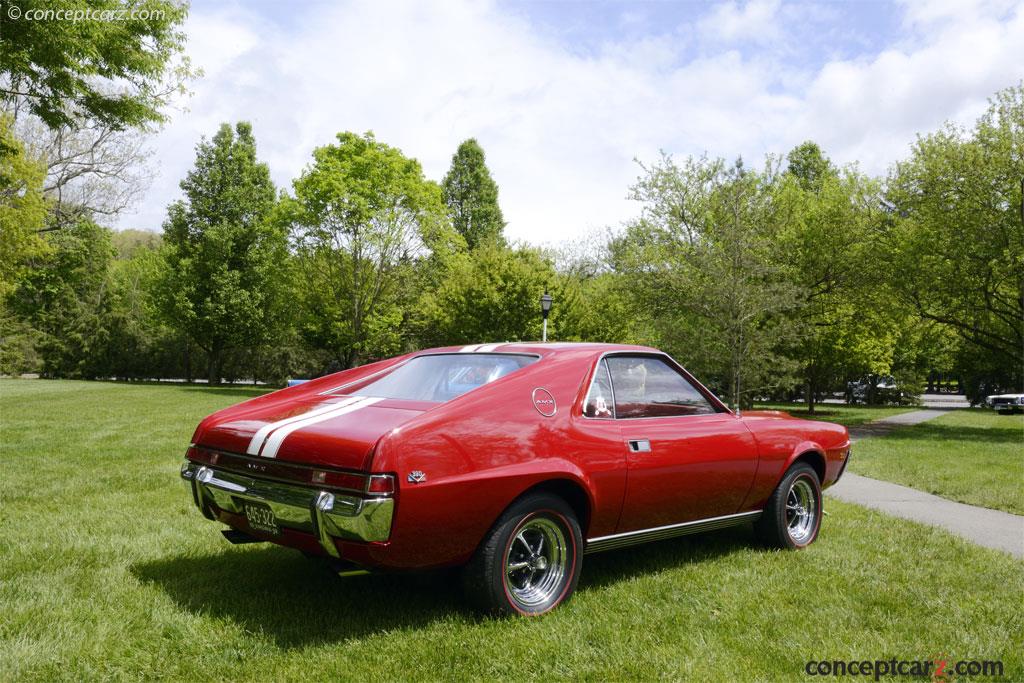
(512, 460)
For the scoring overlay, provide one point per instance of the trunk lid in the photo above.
(331, 431)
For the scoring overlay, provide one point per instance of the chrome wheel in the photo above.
(801, 511)
(536, 563)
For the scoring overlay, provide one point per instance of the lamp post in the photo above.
(545, 308)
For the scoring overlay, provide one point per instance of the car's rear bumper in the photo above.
(329, 517)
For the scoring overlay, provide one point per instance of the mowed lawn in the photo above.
(107, 571)
(972, 456)
(837, 412)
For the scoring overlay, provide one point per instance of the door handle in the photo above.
(639, 445)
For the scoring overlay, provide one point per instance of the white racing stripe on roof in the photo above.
(277, 438)
(469, 349)
(264, 431)
(488, 347)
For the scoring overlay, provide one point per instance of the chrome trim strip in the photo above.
(602, 543)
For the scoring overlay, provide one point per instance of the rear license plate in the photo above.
(261, 517)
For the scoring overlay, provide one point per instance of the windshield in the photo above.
(443, 377)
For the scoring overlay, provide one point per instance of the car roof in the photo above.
(541, 348)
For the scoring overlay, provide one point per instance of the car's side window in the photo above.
(599, 402)
(650, 387)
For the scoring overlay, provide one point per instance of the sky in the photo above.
(567, 97)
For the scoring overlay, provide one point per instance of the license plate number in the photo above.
(261, 518)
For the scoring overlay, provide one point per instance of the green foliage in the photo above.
(956, 245)
(472, 197)
(363, 219)
(846, 327)
(702, 262)
(116, 72)
(226, 282)
(489, 294)
(22, 208)
(65, 298)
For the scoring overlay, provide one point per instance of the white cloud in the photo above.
(754, 21)
(561, 127)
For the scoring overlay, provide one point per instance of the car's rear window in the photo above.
(442, 377)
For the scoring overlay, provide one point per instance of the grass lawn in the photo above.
(109, 572)
(972, 456)
(837, 412)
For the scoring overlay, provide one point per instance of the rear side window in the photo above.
(599, 399)
(443, 377)
(650, 387)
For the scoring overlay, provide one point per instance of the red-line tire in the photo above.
(792, 518)
(530, 560)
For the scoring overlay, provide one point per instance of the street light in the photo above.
(545, 308)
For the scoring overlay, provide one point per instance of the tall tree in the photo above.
(472, 197)
(956, 245)
(362, 218)
(846, 326)
(67, 300)
(225, 282)
(701, 262)
(22, 207)
(62, 70)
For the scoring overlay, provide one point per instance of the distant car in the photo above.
(875, 389)
(1006, 404)
(511, 460)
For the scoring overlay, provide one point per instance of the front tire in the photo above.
(792, 518)
(530, 561)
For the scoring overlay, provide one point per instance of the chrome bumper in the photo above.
(327, 516)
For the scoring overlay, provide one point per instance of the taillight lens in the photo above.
(381, 484)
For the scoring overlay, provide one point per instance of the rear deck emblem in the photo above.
(417, 476)
(544, 402)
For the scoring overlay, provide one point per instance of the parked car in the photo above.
(876, 389)
(509, 460)
(1006, 404)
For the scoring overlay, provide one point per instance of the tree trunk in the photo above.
(809, 388)
(188, 362)
(213, 374)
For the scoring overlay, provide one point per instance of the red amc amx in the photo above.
(512, 460)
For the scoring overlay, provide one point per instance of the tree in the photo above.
(225, 285)
(66, 299)
(955, 245)
(845, 324)
(362, 218)
(490, 294)
(93, 170)
(701, 262)
(22, 208)
(119, 73)
(472, 197)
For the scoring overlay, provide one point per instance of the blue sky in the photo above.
(565, 96)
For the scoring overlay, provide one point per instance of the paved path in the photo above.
(888, 424)
(989, 528)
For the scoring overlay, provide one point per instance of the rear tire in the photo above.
(792, 517)
(530, 560)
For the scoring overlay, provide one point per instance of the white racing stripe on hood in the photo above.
(277, 438)
(264, 431)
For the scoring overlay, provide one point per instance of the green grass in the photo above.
(107, 571)
(972, 456)
(837, 412)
